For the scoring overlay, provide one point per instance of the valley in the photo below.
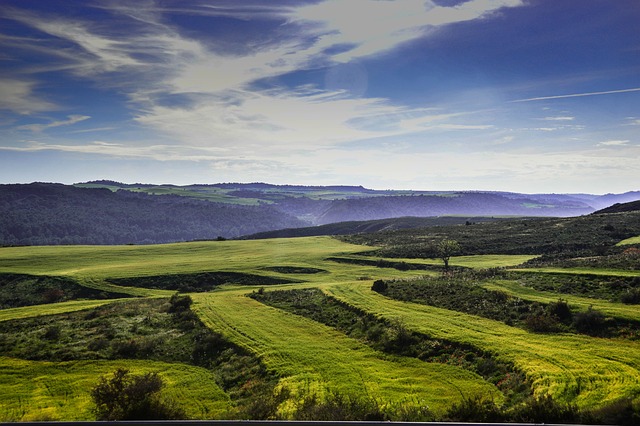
(297, 365)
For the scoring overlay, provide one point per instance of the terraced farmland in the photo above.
(304, 358)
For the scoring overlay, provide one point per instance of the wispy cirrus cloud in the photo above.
(383, 25)
(578, 95)
(18, 96)
(160, 152)
(71, 120)
(614, 143)
(155, 61)
(278, 121)
(90, 52)
(559, 118)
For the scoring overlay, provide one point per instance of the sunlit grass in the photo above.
(578, 369)
(513, 288)
(477, 261)
(128, 261)
(311, 356)
(629, 241)
(40, 390)
(52, 308)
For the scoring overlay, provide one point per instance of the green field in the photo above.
(40, 390)
(618, 310)
(307, 357)
(477, 261)
(630, 241)
(572, 368)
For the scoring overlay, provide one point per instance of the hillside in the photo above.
(633, 206)
(369, 226)
(328, 344)
(45, 214)
(108, 212)
(464, 203)
(583, 235)
(319, 205)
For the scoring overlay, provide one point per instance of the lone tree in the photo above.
(128, 397)
(447, 248)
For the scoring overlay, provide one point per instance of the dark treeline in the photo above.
(43, 213)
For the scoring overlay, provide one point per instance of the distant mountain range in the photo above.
(109, 212)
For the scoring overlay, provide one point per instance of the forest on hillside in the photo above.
(50, 214)
(107, 212)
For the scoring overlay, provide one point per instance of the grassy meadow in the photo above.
(630, 241)
(304, 357)
(58, 391)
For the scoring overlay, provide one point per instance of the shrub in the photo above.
(622, 412)
(631, 297)
(545, 410)
(591, 322)
(179, 303)
(337, 407)
(127, 397)
(379, 286)
(53, 332)
(476, 409)
(265, 402)
(53, 295)
(541, 323)
(560, 310)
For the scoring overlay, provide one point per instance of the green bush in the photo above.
(541, 323)
(545, 410)
(560, 310)
(622, 412)
(379, 286)
(631, 297)
(128, 397)
(338, 407)
(475, 409)
(590, 322)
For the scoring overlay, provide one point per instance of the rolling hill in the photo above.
(267, 316)
(46, 214)
(108, 212)
(633, 206)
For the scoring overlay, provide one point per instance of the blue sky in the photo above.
(511, 95)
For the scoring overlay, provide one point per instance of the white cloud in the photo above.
(154, 60)
(372, 26)
(97, 53)
(278, 120)
(226, 121)
(207, 72)
(614, 143)
(71, 119)
(559, 118)
(18, 96)
(125, 150)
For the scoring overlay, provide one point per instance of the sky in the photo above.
(533, 96)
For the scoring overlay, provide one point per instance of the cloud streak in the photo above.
(578, 95)
(71, 120)
(19, 96)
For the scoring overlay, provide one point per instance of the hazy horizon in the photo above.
(316, 185)
(528, 96)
